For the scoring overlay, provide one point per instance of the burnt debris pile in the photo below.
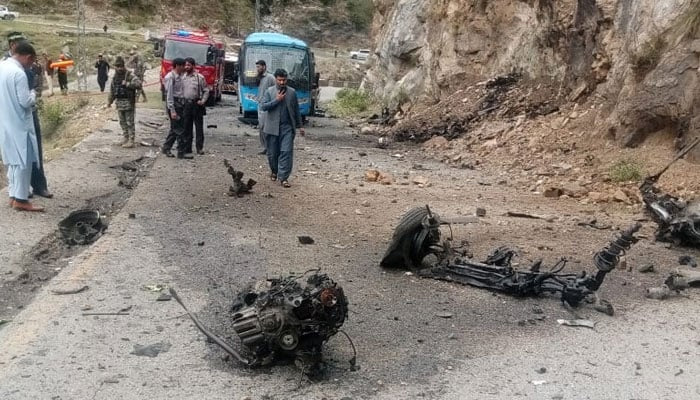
(238, 188)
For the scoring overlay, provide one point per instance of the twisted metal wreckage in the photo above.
(678, 220)
(282, 320)
(416, 244)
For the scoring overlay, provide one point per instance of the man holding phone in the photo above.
(282, 119)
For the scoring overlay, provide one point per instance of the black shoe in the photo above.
(168, 153)
(262, 152)
(44, 193)
(200, 152)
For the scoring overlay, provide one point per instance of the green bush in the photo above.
(350, 101)
(51, 116)
(625, 171)
(361, 13)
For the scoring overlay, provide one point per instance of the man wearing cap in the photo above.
(102, 72)
(18, 144)
(265, 81)
(196, 94)
(282, 119)
(175, 100)
(123, 92)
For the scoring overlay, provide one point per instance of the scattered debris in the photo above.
(688, 260)
(594, 224)
(678, 221)
(306, 239)
(81, 227)
(516, 214)
(86, 314)
(155, 288)
(288, 320)
(480, 212)
(658, 293)
(5, 321)
(212, 126)
(70, 291)
(281, 319)
(541, 370)
(445, 315)
(164, 297)
(586, 323)
(151, 350)
(238, 188)
(417, 238)
(647, 268)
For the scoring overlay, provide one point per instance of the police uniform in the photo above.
(175, 100)
(194, 88)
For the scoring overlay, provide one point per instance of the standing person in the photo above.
(12, 39)
(123, 92)
(102, 72)
(175, 100)
(138, 67)
(48, 71)
(265, 81)
(35, 75)
(283, 117)
(196, 94)
(63, 75)
(17, 138)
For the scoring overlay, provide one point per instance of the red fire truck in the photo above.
(207, 52)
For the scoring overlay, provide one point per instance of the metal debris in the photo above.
(678, 221)
(238, 188)
(417, 238)
(586, 323)
(281, 319)
(688, 260)
(286, 320)
(151, 350)
(70, 291)
(81, 227)
(306, 239)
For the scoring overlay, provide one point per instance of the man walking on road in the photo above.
(17, 138)
(196, 94)
(283, 117)
(175, 100)
(102, 72)
(265, 81)
(123, 92)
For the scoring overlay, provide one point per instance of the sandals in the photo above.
(273, 177)
(286, 184)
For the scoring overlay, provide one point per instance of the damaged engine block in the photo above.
(286, 320)
(416, 244)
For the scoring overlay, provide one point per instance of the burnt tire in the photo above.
(398, 255)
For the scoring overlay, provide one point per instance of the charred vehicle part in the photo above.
(678, 221)
(417, 240)
(282, 320)
(238, 188)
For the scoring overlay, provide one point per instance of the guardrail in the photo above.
(340, 84)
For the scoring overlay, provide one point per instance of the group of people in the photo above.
(279, 118)
(20, 132)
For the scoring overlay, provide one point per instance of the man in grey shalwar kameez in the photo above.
(18, 142)
(282, 119)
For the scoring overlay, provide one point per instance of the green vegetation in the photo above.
(360, 12)
(51, 115)
(350, 102)
(625, 171)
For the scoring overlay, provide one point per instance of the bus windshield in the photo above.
(175, 49)
(294, 61)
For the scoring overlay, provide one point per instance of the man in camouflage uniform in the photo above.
(123, 91)
(138, 67)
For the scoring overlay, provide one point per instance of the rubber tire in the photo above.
(396, 255)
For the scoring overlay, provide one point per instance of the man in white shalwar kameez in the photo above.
(18, 144)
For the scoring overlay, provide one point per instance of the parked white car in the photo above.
(5, 13)
(361, 54)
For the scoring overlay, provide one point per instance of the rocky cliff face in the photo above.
(637, 58)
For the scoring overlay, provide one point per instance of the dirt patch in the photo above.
(48, 257)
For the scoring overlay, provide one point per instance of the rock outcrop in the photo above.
(639, 58)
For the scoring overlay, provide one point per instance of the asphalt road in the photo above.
(416, 338)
